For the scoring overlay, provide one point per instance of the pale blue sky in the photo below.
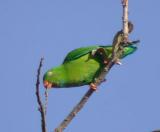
(128, 102)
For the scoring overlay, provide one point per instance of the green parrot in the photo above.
(81, 66)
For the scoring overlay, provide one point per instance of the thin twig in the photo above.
(120, 37)
(46, 101)
(41, 107)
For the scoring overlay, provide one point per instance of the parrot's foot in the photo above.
(118, 62)
(105, 62)
(47, 84)
(93, 86)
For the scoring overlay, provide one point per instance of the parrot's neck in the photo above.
(59, 77)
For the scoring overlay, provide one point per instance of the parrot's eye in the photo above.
(47, 84)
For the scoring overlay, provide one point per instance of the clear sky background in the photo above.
(130, 99)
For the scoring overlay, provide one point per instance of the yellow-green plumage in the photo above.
(80, 67)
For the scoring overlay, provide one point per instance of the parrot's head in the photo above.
(53, 77)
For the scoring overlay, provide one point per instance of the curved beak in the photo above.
(47, 84)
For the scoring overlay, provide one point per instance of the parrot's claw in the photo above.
(118, 62)
(105, 62)
(93, 86)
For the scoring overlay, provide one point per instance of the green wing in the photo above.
(77, 53)
(74, 54)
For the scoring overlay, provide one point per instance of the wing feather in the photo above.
(77, 53)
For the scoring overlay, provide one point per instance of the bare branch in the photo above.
(125, 19)
(75, 110)
(41, 107)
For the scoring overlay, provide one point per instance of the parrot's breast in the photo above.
(79, 72)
